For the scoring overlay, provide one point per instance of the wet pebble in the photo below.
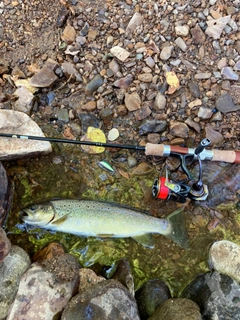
(5, 245)
(113, 134)
(124, 275)
(132, 161)
(46, 288)
(105, 300)
(52, 250)
(63, 115)
(177, 309)
(150, 296)
(217, 294)
(88, 278)
(224, 257)
(88, 120)
(11, 271)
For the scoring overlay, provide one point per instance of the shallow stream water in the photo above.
(70, 173)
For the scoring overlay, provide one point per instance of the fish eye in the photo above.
(34, 207)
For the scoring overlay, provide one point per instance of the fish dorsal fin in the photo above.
(145, 239)
(60, 220)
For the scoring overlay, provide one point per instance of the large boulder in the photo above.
(15, 122)
(6, 193)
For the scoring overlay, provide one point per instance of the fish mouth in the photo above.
(25, 215)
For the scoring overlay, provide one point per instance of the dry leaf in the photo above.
(124, 174)
(94, 135)
(173, 81)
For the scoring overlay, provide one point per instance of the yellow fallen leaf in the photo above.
(93, 135)
(173, 81)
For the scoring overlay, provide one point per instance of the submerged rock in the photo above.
(106, 300)
(11, 271)
(19, 123)
(224, 257)
(45, 289)
(177, 309)
(216, 294)
(150, 296)
(123, 274)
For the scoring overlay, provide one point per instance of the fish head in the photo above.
(38, 214)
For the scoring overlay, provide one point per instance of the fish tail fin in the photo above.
(178, 232)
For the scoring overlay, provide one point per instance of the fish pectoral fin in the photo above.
(60, 220)
(108, 235)
(145, 239)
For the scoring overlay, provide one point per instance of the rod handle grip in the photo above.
(226, 156)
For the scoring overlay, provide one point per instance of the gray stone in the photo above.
(204, 113)
(150, 126)
(181, 44)
(177, 309)
(94, 84)
(45, 289)
(229, 74)
(182, 31)
(124, 83)
(202, 75)
(106, 300)
(225, 103)
(217, 295)
(25, 100)
(198, 35)
(5, 244)
(214, 136)
(120, 53)
(132, 101)
(11, 271)
(166, 53)
(70, 71)
(44, 78)
(15, 122)
(88, 120)
(135, 21)
(63, 115)
(216, 26)
(224, 257)
(150, 296)
(194, 89)
(160, 101)
(179, 129)
(237, 66)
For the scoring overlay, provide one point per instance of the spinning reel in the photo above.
(165, 189)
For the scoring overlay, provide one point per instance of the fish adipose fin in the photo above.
(178, 231)
(146, 240)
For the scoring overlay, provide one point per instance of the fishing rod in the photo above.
(150, 149)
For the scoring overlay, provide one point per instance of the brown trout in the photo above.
(101, 219)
